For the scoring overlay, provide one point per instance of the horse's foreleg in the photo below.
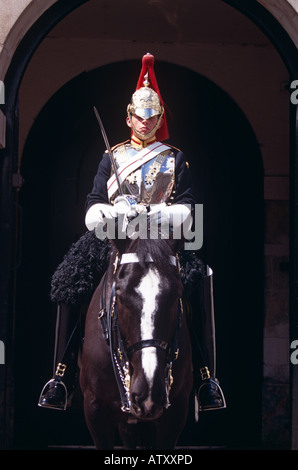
(128, 434)
(171, 424)
(99, 423)
(139, 435)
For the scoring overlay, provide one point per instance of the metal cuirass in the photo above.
(152, 182)
(157, 178)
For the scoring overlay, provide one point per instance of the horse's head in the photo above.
(148, 291)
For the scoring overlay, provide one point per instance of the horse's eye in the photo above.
(122, 272)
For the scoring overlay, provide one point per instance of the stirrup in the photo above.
(214, 397)
(52, 402)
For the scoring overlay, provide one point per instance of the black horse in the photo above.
(136, 367)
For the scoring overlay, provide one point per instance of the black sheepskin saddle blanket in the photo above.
(83, 266)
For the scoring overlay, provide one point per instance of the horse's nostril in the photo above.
(137, 400)
(148, 406)
(134, 398)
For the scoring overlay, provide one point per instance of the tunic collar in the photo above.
(140, 144)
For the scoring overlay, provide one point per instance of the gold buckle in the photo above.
(113, 306)
(60, 369)
(101, 313)
(116, 262)
(205, 374)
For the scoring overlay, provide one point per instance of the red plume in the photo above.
(148, 66)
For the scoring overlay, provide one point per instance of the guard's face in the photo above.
(143, 126)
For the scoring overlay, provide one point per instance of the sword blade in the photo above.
(108, 147)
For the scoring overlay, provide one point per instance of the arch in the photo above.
(23, 16)
(71, 162)
(26, 14)
(283, 35)
(286, 13)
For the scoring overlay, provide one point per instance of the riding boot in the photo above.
(57, 392)
(209, 395)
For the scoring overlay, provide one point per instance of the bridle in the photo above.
(120, 356)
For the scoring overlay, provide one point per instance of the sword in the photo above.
(105, 138)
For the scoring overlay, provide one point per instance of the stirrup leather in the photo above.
(60, 369)
(205, 374)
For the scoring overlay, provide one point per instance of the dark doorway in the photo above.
(59, 162)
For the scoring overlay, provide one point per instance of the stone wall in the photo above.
(276, 390)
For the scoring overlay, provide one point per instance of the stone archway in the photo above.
(66, 171)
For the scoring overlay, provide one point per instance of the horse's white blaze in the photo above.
(148, 289)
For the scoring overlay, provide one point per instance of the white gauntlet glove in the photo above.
(96, 214)
(122, 208)
(167, 216)
(174, 215)
(123, 205)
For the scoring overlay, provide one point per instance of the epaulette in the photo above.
(178, 150)
(175, 148)
(118, 145)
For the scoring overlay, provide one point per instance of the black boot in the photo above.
(57, 392)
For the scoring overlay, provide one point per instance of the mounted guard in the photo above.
(140, 176)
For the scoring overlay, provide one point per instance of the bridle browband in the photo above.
(120, 356)
(133, 258)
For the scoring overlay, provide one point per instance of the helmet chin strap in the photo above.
(151, 133)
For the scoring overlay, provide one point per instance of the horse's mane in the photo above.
(160, 250)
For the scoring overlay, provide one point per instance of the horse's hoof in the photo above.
(53, 395)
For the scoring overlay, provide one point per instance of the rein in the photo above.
(120, 356)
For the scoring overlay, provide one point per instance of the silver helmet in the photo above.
(145, 103)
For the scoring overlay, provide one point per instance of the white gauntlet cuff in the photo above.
(96, 213)
(175, 215)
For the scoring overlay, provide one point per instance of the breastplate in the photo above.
(152, 182)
